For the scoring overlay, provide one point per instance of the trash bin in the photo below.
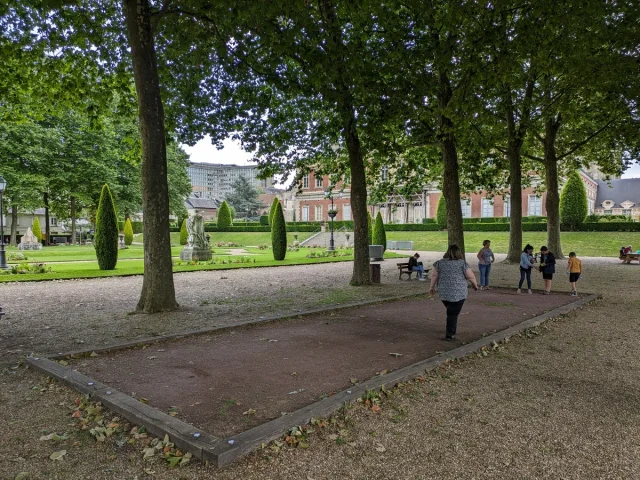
(374, 269)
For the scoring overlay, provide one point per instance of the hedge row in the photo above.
(137, 227)
(432, 227)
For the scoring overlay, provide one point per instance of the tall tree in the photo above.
(158, 291)
(244, 197)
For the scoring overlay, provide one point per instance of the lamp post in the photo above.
(332, 214)
(3, 255)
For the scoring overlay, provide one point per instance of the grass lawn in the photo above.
(585, 244)
(76, 253)
(257, 258)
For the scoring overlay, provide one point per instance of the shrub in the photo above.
(573, 202)
(428, 220)
(106, 237)
(264, 219)
(379, 236)
(272, 210)
(224, 216)
(441, 213)
(370, 228)
(184, 235)
(35, 228)
(279, 234)
(128, 232)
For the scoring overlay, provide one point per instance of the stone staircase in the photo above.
(322, 239)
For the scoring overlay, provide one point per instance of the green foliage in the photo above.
(264, 219)
(272, 210)
(441, 213)
(279, 234)
(244, 198)
(35, 228)
(128, 232)
(184, 235)
(370, 228)
(573, 202)
(412, 227)
(224, 216)
(379, 236)
(106, 237)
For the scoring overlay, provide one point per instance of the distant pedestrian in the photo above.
(547, 267)
(485, 259)
(450, 275)
(416, 266)
(574, 269)
(526, 265)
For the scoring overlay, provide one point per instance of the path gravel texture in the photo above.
(562, 404)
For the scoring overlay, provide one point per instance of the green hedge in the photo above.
(609, 227)
(428, 220)
(138, 227)
(412, 227)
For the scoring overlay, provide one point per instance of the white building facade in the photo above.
(215, 181)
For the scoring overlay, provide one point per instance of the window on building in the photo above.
(626, 211)
(318, 216)
(346, 212)
(487, 207)
(54, 222)
(466, 208)
(384, 174)
(608, 212)
(535, 205)
(305, 214)
(305, 181)
(318, 181)
(507, 206)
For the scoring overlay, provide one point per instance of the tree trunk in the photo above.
(515, 202)
(552, 203)
(451, 181)
(360, 275)
(13, 241)
(158, 291)
(47, 227)
(347, 112)
(73, 220)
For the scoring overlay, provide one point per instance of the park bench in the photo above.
(630, 257)
(404, 270)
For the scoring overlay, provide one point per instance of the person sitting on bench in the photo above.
(415, 266)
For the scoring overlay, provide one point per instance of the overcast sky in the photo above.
(203, 151)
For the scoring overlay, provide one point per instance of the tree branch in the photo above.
(586, 140)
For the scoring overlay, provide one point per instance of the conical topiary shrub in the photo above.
(370, 228)
(279, 234)
(441, 213)
(379, 234)
(224, 216)
(128, 232)
(272, 210)
(573, 202)
(184, 235)
(36, 230)
(106, 237)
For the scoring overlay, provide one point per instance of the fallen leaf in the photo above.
(396, 354)
(380, 448)
(93, 354)
(63, 362)
(58, 455)
(22, 476)
(376, 409)
(152, 357)
(251, 411)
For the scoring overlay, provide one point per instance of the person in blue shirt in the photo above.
(485, 259)
(526, 265)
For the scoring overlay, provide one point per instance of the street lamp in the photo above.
(3, 255)
(332, 214)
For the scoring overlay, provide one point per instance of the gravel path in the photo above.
(562, 404)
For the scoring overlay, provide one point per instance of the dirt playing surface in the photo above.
(228, 382)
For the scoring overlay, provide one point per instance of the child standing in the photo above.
(574, 269)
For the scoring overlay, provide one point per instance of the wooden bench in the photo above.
(404, 270)
(630, 257)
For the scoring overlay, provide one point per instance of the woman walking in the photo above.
(485, 259)
(450, 275)
(526, 265)
(547, 267)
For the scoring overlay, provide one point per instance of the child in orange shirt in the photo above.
(574, 269)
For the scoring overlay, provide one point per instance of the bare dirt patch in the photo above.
(229, 382)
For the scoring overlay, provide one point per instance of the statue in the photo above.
(195, 230)
(197, 246)
(29, 241)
